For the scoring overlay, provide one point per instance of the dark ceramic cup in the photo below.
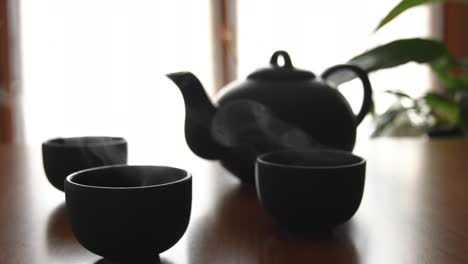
(63, 156)
(310, 192)
(129, 214)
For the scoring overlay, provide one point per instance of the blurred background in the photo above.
(74, 68)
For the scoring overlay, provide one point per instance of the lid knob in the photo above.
(281, 69)
(284, 55)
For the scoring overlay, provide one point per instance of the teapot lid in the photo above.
(285, 72)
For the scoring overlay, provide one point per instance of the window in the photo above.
(97, 67)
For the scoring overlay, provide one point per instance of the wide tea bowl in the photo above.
(310, 192)
(129, 214)
(63, 156)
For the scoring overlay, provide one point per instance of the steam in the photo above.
(251, 128)
(103, 150)
(97, 151)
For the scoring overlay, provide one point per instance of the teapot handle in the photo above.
(362, 75)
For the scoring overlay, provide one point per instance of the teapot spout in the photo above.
(199, 113)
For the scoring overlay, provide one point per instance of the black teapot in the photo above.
(271, 103)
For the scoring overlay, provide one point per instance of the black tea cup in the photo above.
(310, 192)
(63, 156)
(129, 214)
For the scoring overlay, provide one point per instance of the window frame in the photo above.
(6, 111)
(455, 28)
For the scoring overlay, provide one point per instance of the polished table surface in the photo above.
(414, 210)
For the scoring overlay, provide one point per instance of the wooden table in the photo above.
(414, 210)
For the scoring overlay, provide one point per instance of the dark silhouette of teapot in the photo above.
(277, 107)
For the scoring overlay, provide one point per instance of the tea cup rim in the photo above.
(69, 178)
(261, 159)
(109, 140)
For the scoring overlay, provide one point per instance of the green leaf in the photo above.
(443, 107)
(463, 83)
(407, 4)
(386, 120)
(442, 69)
(394, 54)
(463, 64)
(372, 108)
(463, 111)
(400, 94)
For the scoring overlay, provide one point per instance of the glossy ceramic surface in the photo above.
(310, 192)
(295, 97)
(63, 156)
(129, 214)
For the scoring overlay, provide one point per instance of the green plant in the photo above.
(437, 110)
